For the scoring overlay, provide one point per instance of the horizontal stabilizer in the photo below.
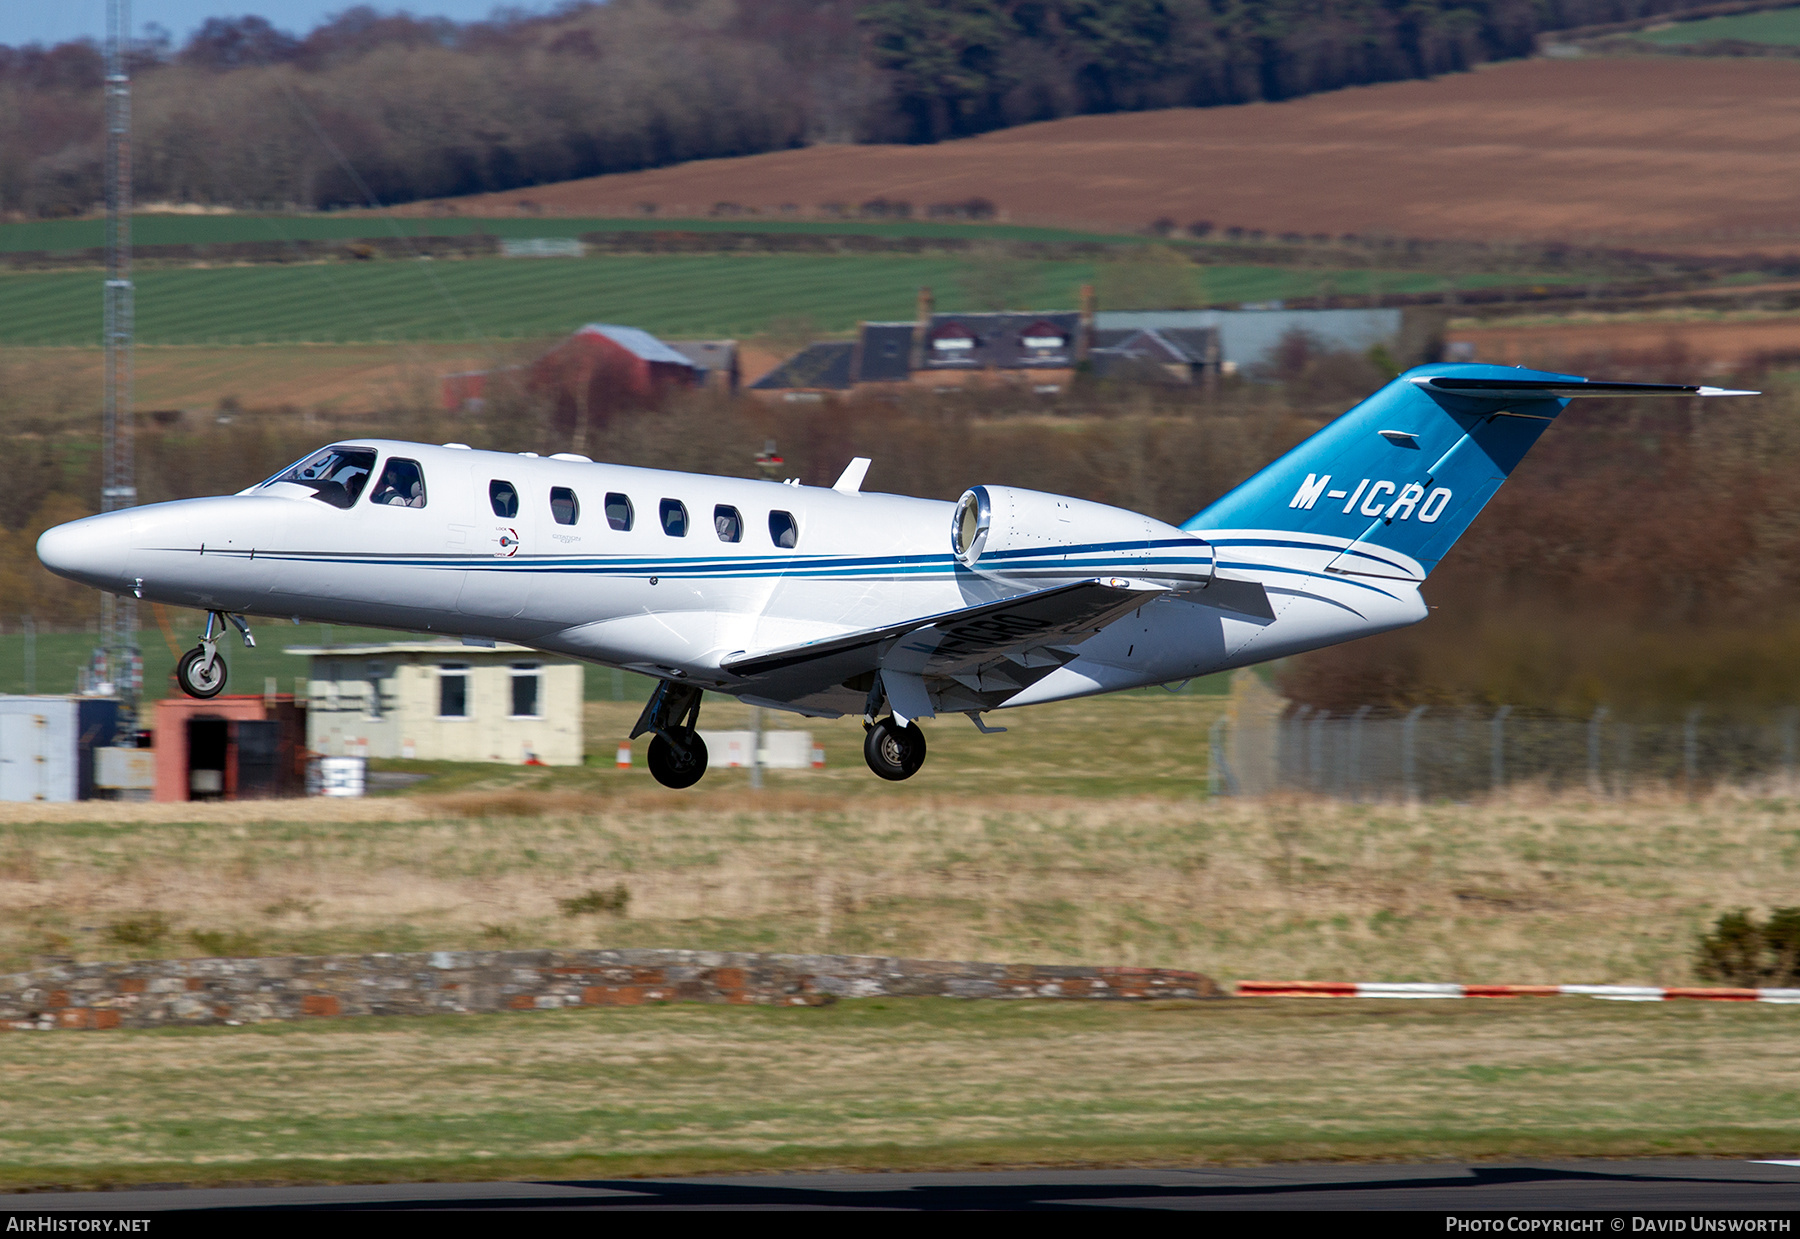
(1516, 389)
(960, 642)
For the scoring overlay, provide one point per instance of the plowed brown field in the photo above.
(1610, 151)
(340, 378)
(1712, 348)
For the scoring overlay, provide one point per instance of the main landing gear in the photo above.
(677, 753)
(201, 671)
(893, 747)
(893, 751)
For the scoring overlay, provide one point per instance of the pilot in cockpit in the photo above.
(402, 485)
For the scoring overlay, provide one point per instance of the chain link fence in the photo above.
(1460, 754)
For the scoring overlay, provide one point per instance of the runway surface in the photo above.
(1636, 1186)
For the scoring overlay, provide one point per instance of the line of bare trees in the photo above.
(396, 108)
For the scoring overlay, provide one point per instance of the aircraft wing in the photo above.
(988, 652)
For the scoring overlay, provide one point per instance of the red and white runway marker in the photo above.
(1450, 989)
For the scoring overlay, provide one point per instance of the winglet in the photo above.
(851, 479)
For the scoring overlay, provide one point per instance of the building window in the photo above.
(1043, 337)
(674, 517)
(954, 343)
(728, 524)
(504, 497)
(525, 681)
(376, 672)
(618, 512)
(453, 690)
(402, 484)
(784, 530)
(564, 506)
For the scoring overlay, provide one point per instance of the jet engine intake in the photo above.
(1008, 532)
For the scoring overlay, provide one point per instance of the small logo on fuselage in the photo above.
(1371, 500)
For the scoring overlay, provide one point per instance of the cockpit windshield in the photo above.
(336, 475)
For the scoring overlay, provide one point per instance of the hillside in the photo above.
(1657, 151)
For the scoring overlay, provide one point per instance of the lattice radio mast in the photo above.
(120, 662)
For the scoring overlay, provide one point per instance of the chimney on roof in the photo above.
(927, 307)
(1089, 308)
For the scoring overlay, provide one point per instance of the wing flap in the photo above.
(958, 643)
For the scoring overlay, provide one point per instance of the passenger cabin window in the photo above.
(674, 517)
(728, 524)
(618, 512)
(453, 690)
(564, 506)
(402, 484)
(525, 679)
(504, 497)
(336, 475)
(784, 530)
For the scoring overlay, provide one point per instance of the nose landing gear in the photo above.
(201, 671)
(677, 753)
(893, 751)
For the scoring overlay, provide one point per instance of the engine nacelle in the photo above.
(1006, 531)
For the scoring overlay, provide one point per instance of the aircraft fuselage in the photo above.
(676, 575)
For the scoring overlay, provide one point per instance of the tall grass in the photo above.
(1522, 890)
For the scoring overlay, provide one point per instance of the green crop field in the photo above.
(74, 234)
(674, 296)
(1778, 27)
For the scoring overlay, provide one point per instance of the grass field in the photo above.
(172, 229)
(887, 1083)
(673, 296)
(1778, 27)
(1082, 836)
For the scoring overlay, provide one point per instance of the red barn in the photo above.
(598, 371)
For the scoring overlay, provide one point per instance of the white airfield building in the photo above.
(444, 701)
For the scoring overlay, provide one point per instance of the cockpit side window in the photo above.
(336, 475)
(504, 497)
(402, 484)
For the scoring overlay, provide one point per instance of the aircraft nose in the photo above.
(92, 551)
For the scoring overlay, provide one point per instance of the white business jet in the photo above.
(834, 601)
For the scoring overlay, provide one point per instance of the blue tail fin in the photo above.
(1392, 484)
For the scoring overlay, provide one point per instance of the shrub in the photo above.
(1741, 952)
(146, 930)
(596, 901)
(224, 944)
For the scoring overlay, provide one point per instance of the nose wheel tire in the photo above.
(200, 676)
(678, 759)
(894, 752)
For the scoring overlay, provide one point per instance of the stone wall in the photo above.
(159, 993)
